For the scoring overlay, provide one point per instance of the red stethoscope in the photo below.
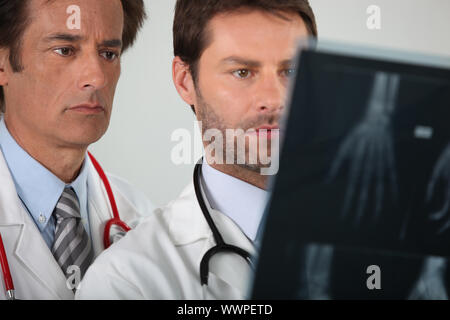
(115, 221)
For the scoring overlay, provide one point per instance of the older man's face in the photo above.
(65, 92)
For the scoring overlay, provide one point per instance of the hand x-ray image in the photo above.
(369, 148)
(360, 208)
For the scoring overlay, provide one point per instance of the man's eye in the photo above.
(65, 51)
(242, 73)
(289, 72)
(109, 55)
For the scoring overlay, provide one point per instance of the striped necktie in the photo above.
(72, 246)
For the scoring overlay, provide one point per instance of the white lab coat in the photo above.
(161, 258)
(35, 273)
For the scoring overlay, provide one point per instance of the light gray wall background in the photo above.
(147, 108)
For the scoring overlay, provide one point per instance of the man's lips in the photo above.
(267, 128)
(267, 131)
(88, 108)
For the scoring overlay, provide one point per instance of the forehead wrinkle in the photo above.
(57, 29)
(290, 27)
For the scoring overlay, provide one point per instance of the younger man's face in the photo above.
(243, 74)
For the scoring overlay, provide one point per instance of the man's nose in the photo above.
(92, 73)
(270, 94)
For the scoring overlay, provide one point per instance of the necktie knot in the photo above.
(68, 205)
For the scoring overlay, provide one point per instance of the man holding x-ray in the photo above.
(233, 60)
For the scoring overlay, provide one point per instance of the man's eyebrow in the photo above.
(253, 63)
(287, 62)
(112, 43)
(74, 38)
(242, 61)
(63, 36)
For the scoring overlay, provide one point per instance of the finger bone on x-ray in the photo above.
(430, 284)
(441, 172)
(369, 149)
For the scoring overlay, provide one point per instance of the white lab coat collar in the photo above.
(184, 213)
(25, 238)
(187, 224)
(99, 209)
(8, 192)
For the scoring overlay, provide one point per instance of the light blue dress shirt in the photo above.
(240, 201)
(38, 188)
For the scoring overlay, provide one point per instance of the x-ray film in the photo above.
(360, 208)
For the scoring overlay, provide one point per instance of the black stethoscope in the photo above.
(221, 245)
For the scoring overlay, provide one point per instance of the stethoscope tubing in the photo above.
(221, 245)
(116, 218)
(9, 285)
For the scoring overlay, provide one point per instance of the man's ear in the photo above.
(4, 57)
(182, 78)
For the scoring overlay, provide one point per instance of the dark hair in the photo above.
(193, 16)
(14, 20)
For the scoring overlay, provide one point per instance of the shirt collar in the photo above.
(38, 188)
(79, 185)
(240, 201)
